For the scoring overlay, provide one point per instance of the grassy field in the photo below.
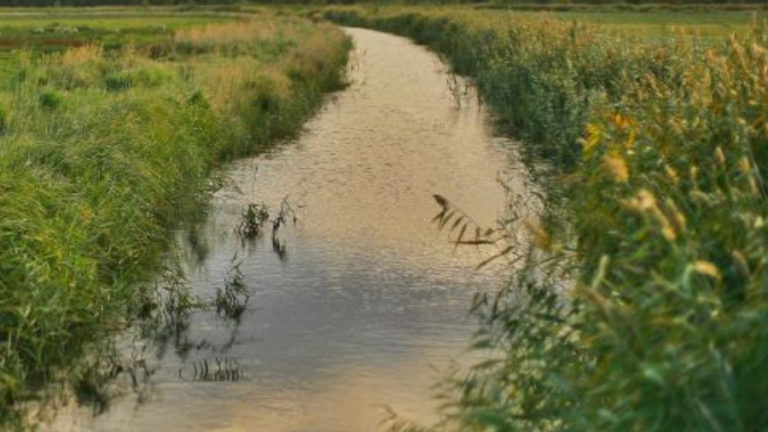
(641, 303)
(711, 24)
(41, 31)
(54, 32)
(107, 139)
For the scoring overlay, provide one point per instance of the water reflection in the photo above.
(326, 313)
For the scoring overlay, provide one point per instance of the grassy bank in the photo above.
(660, 153)
(103, 149)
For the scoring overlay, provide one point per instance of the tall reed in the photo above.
(646, 308)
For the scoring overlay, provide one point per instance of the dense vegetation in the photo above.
(643, 301)
(101, 150)
(640, 302)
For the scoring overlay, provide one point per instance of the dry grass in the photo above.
(229, 33)
(78, 56)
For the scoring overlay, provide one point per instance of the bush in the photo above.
(50, 99)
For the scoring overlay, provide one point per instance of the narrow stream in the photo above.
(369, 298)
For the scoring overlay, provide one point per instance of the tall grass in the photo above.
(102, 151)
(643, 305)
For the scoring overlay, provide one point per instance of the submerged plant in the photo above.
(256, 216)
(286, 213)
(232, 300)
(252, 221)
(96, 379)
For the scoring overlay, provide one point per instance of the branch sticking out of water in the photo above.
(252, 222)
(256, 216)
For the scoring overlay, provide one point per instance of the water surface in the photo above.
(369, 297)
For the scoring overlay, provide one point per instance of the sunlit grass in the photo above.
(640, 300)
(103, 148)
(659, 24)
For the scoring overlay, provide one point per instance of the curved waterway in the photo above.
(368, 299)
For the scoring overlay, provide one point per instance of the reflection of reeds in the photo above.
(216, 369)
(95, 378)
(286, 214)
(256, 216)
(252, 221)
(232, 300)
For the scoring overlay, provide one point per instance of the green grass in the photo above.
(651, 24)
(42, 31)
(718, 24)
(55, 32)
(103, 149)
(640, 297)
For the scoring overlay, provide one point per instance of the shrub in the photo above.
(50, 99)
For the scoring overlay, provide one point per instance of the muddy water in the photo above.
(368, 298)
